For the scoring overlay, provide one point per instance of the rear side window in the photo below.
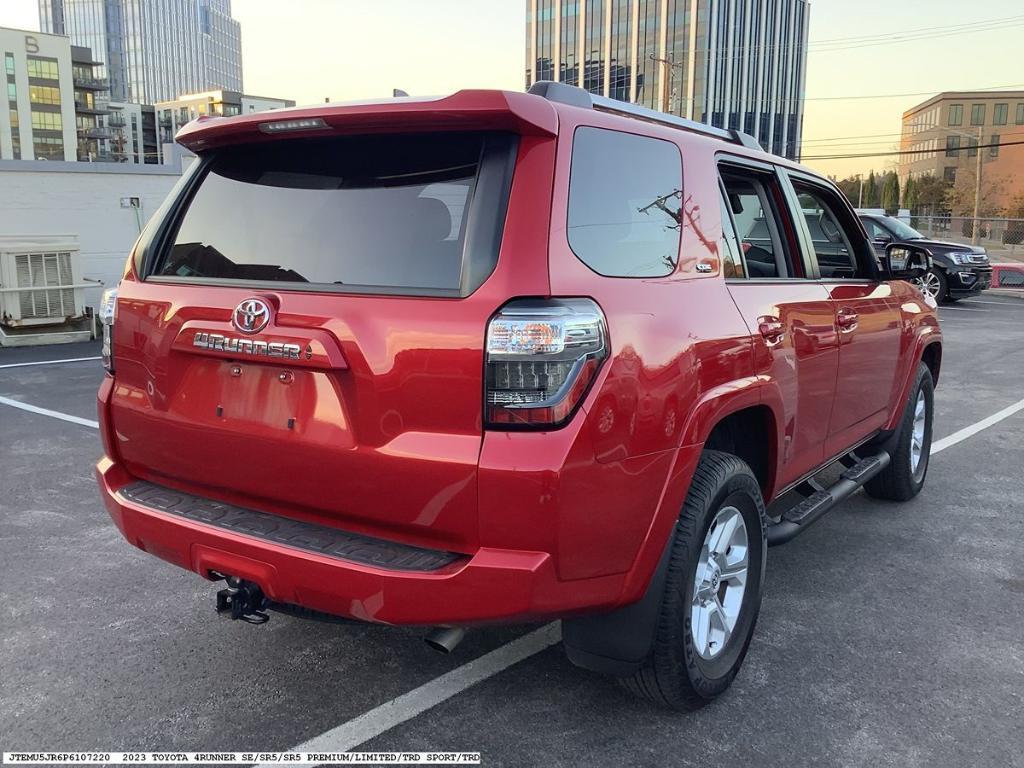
(625, 203)
(389, 213)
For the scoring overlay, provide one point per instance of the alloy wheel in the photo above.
(929, 285)
(719, 583)
(917, 433)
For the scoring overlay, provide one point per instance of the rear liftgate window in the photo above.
(379, 214)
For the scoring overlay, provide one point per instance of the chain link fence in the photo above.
(996, 235)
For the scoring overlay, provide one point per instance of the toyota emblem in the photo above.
(251, 316)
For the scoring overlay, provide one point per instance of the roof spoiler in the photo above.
(577, 97)
(469, 110)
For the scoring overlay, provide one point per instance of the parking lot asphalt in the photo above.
(890, 634)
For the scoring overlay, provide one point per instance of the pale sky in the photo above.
(348, 49)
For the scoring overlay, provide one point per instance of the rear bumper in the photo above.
(491, 586)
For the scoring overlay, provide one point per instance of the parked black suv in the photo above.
(958, 270)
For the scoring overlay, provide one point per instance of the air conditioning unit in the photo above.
(40, 280)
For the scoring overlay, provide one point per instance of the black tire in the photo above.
(674, 675)
(901, 480)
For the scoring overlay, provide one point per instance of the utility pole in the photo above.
(666, 82)
(975, 234)
(860, 195)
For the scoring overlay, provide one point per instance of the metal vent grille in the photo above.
(51, 271)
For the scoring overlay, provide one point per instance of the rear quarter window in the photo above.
(625, 201)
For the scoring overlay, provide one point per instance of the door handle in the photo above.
(771, 328)
(847, 320)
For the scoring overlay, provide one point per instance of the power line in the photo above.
(918, 29)
(967, 147)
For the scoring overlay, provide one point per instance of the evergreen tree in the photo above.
(871, 191)
(891, 193)
(910, 194)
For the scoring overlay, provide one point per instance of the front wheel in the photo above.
(713, 588)
(933, 284)
(910, 446)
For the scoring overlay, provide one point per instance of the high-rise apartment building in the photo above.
(731, 63)
(38, 120)
(153, 50)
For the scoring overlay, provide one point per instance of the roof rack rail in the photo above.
(577, 97)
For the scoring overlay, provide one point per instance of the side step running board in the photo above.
(820, 500)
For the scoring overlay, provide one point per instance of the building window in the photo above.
(12, 92)
(956, 114)
(993, 150)
(999, 114)
(972, 147)
(48, 148)
(952, 146)
(1020, 114)
(9, 63)
(43, 94)
(15, 135)
(43, 68)
(978, 114)
(949, 174)
(46, 121)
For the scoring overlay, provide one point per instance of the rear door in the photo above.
(867, 314)
(789, 314)
(308, 330)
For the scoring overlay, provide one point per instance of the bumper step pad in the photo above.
(308, 537)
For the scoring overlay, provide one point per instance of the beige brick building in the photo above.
(947, 130)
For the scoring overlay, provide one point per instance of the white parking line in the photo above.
(49, 362)
(407, 706)
(961, 435)
(961, 309)
(47, 412)
(1009, 303)
(383, 718)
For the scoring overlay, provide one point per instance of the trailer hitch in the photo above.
(243, 600)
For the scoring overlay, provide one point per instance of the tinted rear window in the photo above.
(359, 212)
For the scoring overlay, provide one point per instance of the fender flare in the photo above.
(618, 642)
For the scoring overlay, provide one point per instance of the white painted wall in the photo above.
(84, 199)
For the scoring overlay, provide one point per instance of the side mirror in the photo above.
(905, 262)
(882, 240)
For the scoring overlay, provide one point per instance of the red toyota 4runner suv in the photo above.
(507, 357)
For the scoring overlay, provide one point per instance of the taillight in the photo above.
(108, 313)
(541, 358)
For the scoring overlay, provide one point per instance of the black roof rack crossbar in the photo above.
(577, 97)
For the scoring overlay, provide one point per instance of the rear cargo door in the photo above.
(308, 331)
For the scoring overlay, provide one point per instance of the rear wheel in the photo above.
(713, 588)
(910, 447)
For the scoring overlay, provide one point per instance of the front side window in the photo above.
(625, 203)
(978, 114)
(835, 238)
(956, 114)
(383, 214)
(999, 114)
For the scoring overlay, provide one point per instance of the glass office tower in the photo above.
(153, 50)
(731, 63)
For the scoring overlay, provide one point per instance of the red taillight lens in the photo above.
(541, 359)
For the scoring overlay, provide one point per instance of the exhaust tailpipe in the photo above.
(445, 639)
